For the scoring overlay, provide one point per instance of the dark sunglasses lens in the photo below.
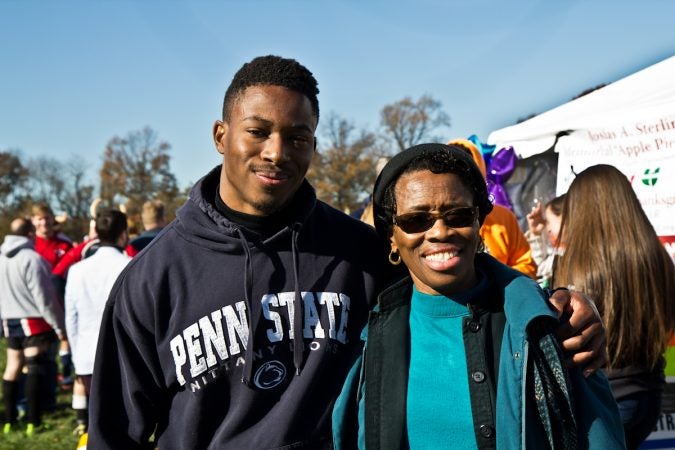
(461, 217)
(415, 223)
(422, 221)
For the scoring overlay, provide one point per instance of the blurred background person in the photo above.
(87, 289)
(500, 232)
(32, 319)
(613, 254)
(153, 220)
(84, 249)
(542, 235)
(365, 214)
(52, 246)
(49, 243)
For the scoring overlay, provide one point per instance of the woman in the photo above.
(632, 280)
(461, 353)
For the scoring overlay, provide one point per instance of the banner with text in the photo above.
(644, 151)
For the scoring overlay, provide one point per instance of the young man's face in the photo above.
(44, 225)
(267, 147)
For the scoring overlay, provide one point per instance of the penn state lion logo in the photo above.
(269, 375)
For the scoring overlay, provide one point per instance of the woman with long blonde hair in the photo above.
(613, 254)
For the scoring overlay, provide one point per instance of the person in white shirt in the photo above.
(87, 289)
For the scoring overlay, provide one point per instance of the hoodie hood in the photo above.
(13, 244)
(199, 221)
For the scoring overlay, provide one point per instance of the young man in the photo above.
(32, 318)
(88, 287)
(48, 243)
(236, 327)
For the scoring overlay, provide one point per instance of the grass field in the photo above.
(61, 422)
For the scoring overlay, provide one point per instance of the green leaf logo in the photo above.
(651, 177)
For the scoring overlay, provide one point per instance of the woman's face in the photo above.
(440, 259)
(552, 226)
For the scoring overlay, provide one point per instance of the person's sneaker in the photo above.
(7, 428)
(31, 429)
(80, 429)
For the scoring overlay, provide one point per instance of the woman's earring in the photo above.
(393, 261)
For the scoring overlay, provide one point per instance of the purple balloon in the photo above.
(499, 169)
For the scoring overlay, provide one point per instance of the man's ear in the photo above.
(315, 143)
(220, 130)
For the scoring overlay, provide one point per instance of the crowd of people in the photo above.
(261, 317)
(53, 294)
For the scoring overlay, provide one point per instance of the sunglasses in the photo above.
(418, 222)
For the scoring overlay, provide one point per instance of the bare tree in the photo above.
(14, 199)
(63, 186)
(46, 179)
(13, 180)
(76, 199)
(343, 171)
(409, 122)
(136, 169)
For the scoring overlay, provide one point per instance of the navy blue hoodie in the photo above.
(174, 355)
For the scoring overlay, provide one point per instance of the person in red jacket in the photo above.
(52, 246)
(48, 243)
(82, 250)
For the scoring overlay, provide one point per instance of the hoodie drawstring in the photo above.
(253, 317)
(298, 338)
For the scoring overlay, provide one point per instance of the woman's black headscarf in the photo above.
(437, 158)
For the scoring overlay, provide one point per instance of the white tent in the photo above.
(649, 93)
(629, 124)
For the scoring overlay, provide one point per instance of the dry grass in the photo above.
(61, 423)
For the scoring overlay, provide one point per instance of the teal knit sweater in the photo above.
(438, 404)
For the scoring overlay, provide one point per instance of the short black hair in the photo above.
(272, 71)
(110, 224)
(436, 158)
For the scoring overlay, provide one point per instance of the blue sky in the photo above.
(73, 74)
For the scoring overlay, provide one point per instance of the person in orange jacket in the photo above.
(501, 233)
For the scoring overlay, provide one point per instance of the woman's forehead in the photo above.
(424, 188)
